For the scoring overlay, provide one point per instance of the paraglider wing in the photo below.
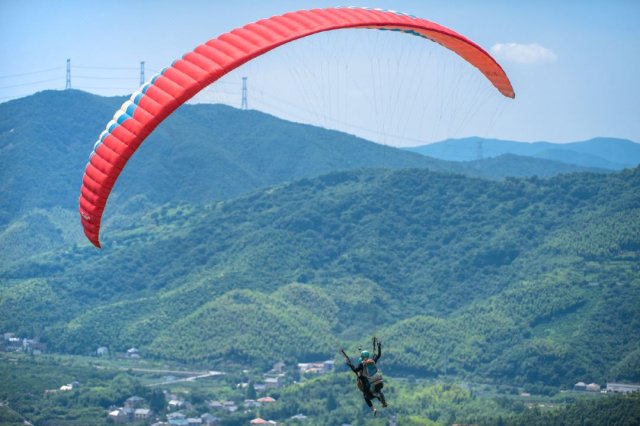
(155, 100)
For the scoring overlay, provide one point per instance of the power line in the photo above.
(86, 67)
(244, 99)
(31, 73)
(15, 96)
(130, 89)
(90, 77)
(331, 119)
(30, 83)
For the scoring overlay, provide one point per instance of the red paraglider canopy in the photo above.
(155, 100)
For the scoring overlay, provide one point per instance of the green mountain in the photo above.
(199, 154)
(602, 153)
(237, 237)
(521, 280)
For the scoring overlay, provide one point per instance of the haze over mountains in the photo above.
(227, 221)
(604, 153)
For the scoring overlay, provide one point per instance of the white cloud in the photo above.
(523, 53)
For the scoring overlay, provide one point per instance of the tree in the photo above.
(331, 403)
(251, 391)
(157, 403)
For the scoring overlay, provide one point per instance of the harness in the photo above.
(372, 373)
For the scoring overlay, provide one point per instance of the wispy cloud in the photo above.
(523, 53)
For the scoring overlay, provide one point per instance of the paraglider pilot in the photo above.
(370, 380)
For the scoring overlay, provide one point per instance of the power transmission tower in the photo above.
(141, 73)
(479, 150)
(67, 85)
(244, 105)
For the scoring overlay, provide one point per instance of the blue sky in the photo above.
(574, 65)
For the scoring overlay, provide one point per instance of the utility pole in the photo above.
(67, 85)
(244, 105)
(141, 73)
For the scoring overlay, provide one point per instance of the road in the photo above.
(189, 379)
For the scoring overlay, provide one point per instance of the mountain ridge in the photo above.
(599, 152)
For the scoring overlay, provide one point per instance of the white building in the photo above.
(175, 404)
(623, 387)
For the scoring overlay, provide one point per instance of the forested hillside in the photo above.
(235, 240)
(522, 280)
(202, 153)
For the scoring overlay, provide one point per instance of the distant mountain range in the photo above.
(603, 153)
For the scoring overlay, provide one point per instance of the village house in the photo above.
(194, 421)
(177, 419)
(102, 351)
(580, 386)
(278, 367)
(12, 343)
(273, 382)
(266, 400)
(134, 402)
(622, 387)
(230, 406)
(142, 414)
(70, 386)
(316, 367)
(259, 421)
(175, 404)
(133, 353)
(593, 387)
(251, 403)
(118, 416)
(209, 420)
(34, 347)
(215, 405)
(277, 371)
